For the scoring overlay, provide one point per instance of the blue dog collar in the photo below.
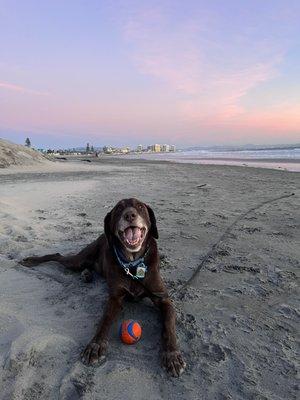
(139, 264)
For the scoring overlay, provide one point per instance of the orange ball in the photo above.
(130, 331)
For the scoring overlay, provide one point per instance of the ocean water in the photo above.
(288, 159)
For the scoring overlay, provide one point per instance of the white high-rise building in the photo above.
(156, 148)
(165, 148)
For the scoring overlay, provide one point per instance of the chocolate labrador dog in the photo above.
(127, 256)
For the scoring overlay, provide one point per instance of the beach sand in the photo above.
(236, 322)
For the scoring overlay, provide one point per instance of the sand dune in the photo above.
(15, 154)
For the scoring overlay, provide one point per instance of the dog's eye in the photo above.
(140, 207)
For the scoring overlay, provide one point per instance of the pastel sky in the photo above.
(190, 72)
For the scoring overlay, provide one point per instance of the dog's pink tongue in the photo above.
(136, 233)
(129, 234)
(133, 234)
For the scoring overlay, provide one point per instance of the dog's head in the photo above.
(130, 222)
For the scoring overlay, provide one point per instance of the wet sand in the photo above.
(288, 164)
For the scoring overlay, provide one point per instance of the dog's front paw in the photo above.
(94, 353)
(173, 362)
(86, 276)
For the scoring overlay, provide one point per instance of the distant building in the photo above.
(173, 148)
(165, 148)
(156, 148)
(107, 149)
(139, 148)
(125, 150)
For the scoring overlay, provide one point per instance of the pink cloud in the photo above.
(224, 91)
(282, 118)
(207, 81)
(21, 89)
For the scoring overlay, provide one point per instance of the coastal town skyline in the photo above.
(107, 149)
(153, 148)
(188, 73)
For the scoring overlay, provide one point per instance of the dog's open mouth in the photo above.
(133, 236)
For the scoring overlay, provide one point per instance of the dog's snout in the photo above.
(130, 216)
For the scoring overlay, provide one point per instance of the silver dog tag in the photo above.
(140, 272)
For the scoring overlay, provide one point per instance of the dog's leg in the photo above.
(172, 359)
(96, 349)
(79, 262)
(71, 262)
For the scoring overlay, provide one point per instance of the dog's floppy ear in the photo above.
(153, 229)
(107, 228)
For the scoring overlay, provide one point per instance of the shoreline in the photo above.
(84, 162)
(75, 164)
(289, 164)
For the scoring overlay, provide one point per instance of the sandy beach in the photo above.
(237, 318)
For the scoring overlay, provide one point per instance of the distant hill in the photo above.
(15, 154)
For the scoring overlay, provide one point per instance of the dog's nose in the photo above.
(130, 216)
